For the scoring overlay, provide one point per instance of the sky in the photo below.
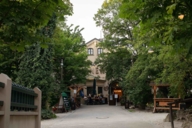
(83, 13)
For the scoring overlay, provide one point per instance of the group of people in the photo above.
(97, 99)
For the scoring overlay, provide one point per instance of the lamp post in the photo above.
(94, 80)
(61, 70)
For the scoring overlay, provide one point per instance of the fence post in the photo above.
(38, 104)
(5, 96)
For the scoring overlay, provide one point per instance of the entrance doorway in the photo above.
(119, 93)
(114, 89)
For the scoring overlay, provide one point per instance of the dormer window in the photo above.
(90, 51)
(99, 51)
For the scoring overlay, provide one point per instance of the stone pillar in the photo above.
(5, 96)
(38, 110)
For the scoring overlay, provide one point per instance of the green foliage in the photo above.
(116, 64)
(9, 61)
(47, 114)
(117, 31)
(140, 93)
(29, 26)
(117, 41)
(69, 46)
(160, 20)
(35, 70)
(20, 20)
(122, 58)
(176, 71)
(161, 28)
(36, 66)
(131, 110)
(145, 68)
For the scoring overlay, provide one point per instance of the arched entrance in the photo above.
(114, 89)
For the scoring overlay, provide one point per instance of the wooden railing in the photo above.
(171, 108)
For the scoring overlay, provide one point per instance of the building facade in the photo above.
(94, 51)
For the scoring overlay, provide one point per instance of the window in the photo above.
(100, 90)
(97, 70)
(89, 90)
(90, 51)
(99, 51)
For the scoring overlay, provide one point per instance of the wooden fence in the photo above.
(20, 107)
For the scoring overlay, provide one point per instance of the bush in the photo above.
(47, 114)
(122, 100)
(140, 95)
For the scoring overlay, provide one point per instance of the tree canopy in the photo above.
(20, 20)
(138, 26)
(71, 48)
(34, 39)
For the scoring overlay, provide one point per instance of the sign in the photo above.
(75, 91)
(111, 97)
(115, 91)
(116, 96)
(66, 103)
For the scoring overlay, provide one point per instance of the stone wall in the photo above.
(186, 117)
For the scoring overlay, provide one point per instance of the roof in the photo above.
(93, 40)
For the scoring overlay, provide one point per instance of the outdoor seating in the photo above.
(95, 101)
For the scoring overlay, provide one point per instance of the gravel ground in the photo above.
(105, 116)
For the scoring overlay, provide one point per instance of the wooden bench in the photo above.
(161, 104)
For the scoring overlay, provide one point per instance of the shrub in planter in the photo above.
(47, 114)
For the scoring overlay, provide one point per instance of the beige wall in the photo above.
(101, 82)
(94, 44)
(98, 84)
(22, 122)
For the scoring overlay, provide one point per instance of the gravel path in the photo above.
(104, 116)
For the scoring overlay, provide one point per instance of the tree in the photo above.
(115, 64)
(35, 70)
(117, 40)
(69, 46)
(20, 20)
(36, 66)
(160, 25)
(160, 20)
(117, 31)
(9, 61)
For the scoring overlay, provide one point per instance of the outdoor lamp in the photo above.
(181, 16)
